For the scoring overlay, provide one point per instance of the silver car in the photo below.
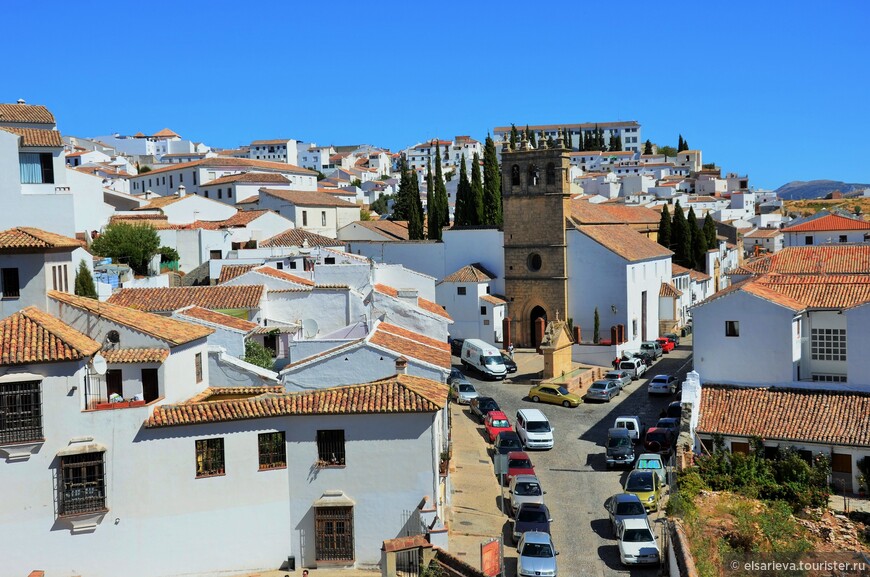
(624, 506)
(525, 489)
(603, 390)
(537, 555)
(622, 377)
(464, 392)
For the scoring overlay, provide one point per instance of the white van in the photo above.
(633, 367)
(534, 429)
(485, 358)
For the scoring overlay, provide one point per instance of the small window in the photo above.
(460, 290)
(551, 173)
(205, 194)
(210, 457)
(10, 283)
(220, 193)
(198, 363)
(279, 265)
(329, 260)
(483, 310)
(229, 193)
(732, 328)
(36, 168)
(515, 175)
(292, 264)
(20, 412)
(215, 254)
(843, 238)
(304, 218)
(330, 448)
(273, 451)
(323, 218)
(170, 182)
(81, 484)
(808, 240)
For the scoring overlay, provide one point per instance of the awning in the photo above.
(81, 449)
(20, 377)
(334, 499)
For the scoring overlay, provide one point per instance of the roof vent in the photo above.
(21, 101)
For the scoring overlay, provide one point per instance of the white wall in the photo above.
(398, 276)
(331, 308)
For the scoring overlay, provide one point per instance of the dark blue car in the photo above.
(531, 517)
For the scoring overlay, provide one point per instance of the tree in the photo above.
(680, 238)
(680, 144)
(710, 232)
(320, 175)
(415, 219)
(130, 244)
(491, 185)
(143, 170)
(667, 151)
(615, 142)
(582, 142)
(461, 214)
(596, 328)
(433, 211)
(647, 147)
(365, 214)
(168, 254)
(664, 237)
(514, 137)
(402, 206)
(381, 204)
(475, 206)
(84, 284)
(699, 241)
(441, 200)
(356, 182)
(258, 355)
(531, 136)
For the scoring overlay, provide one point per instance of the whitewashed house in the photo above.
(245, 186)
(315, 211)
(466, 295)
(826, 229)
(183, 208)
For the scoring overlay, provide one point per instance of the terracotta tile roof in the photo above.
(34, 336)
(219, 319)
(625, 242)
(763, 233)
(25, 114)
(699, 276)
(396, 394)
(159, 202)
(282, 275)
(669, 290)
(240, 219)
(584, 212)
(395, 229)
(283, 141)
(28, 238)
(829, 222)
(253, 199)
(170, 330)
(677, 270)
(411, 344)
(135, 355)
(817, 291)
(308, 198)
(231, 271)
(811, 415)
(155, 221)
(492, 299)
(424, 304)
(174, 298)
(233, 163)
(298, 236)
(35, 137)
(255, 177)
(825, 259)
(474, 272)
(583, 125)
(165, 133)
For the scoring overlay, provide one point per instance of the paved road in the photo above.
(574, 472)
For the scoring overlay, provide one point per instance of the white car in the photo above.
(622, 376)
(662, 384)
(637, 543)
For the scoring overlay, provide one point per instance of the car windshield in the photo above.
(500, 423)
(488, 404)
(637, 536)
(656, 437)
(532, 516)
(627, 365)
(666, 423)
(629, 508)
(538, 426)
(456, 373)
(509, 443)
(598, 386)
(564, 391)
(528, 489)
(661, 379)
(618, 442)
(649, 464)
(493, 360)
(537, 550)
(613, 375)
(519, 464)
(639, 483)
(466, 388)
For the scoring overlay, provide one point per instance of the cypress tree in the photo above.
(531, 136)
(699, 241)
(680, 144)
(401, 207)
(596, 327)
(618, 143)
(84, 283)
(647, 147)
(491, 184)
(415, 218)
(596, 144)
(433, 212)
(685, 144)
(475, 212)
(664, 237)
(514, 137)
(582, 143)
(441, 201)
(680, 237)
(463, 197)
(710, 232)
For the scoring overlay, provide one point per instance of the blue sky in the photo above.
(778, 90)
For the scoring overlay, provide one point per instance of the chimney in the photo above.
(21, 101)
(408, 295)
(401, 366)
(148, 194)
(181, 191)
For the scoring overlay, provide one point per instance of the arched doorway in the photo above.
(537, 313)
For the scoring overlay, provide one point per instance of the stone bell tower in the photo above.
(536, 186)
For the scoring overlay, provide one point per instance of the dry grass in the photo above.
(809, 207)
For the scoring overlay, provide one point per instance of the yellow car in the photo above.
(647, 486)
(555, 395)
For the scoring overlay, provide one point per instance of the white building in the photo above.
(466, 295)
(763, 240)
(826, 229)
(275, 150)
(317, 212)
(628, 131)
(158, 144)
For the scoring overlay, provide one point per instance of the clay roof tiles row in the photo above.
(298, 237)
(36, 137)
(34, 336)
(220, 319)
(174, 298)
(25, 114)
(135, 355)
(23, 237)
(424, 304)
(472, 273)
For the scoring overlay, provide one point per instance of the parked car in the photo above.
(674, 337)
(456, 376)
(651, 347)
(505, 442)
(603, 390)
(525, 489)
(633, 366)
(480, 406)
(658, 440)
(675, 409)
(624, 506)
(632, 424)
(519, 464)
(620, 448)
(646, 357)
(637, 543)
(508, 362)
(652, 462)
(464, 392)
(647, 487)
(671, 424)
(662, 384)
(531, 517)
(618, 375)
(666, 344)
(536, 555)
(456, 347)
(496, 422)
(484, 358)
(555, 395)
(534, 429)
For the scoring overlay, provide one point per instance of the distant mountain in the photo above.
(800, 189)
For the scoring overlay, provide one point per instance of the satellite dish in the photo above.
(99, 364)
(309, 328)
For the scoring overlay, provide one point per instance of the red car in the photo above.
(666, 344)
(495, 423)
(519, 464)
(658, 440)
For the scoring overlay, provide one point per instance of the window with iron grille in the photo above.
(209, 457)
(81, 484)
(273, 451)
(333, 533)
(20, 412)
(828, 344)
(330, 448)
